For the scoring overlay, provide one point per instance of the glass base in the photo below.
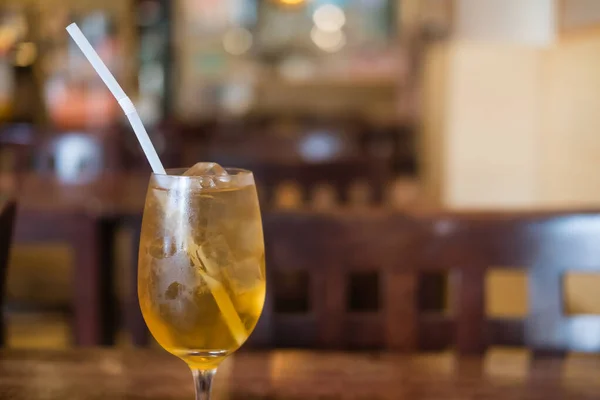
(201, 359)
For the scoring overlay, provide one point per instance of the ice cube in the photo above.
(250, 239)
(208, 220)
(206, 168)
(214, 255)
(245, 273)
(211, 175)
(176, 268)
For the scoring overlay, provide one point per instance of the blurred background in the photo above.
(335, 104)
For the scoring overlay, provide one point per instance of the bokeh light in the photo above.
(291, 2)
(237, 41)
(329, 18)
(330, 41)
(25, 54)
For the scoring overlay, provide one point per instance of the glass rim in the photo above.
(177, 173)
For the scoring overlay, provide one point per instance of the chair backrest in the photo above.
(88, 234)
(339, 280)
(7, 218)
(544, 245)
(355, 279)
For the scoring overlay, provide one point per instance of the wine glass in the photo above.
(201, 271)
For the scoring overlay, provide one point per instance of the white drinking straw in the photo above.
(117, 91)
(222, 299)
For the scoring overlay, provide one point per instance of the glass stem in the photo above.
(203, 382)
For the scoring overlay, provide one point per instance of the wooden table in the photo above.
(146, 374)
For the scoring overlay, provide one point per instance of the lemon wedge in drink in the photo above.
(205, 269)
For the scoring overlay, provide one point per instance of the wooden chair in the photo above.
(290, 250)
(544, 245)
(339, 280)
(89, 235)
(7, 217)
(354, 279)
(70, 168)
(327, 269)
(85, 217)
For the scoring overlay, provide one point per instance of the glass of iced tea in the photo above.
(201, 272)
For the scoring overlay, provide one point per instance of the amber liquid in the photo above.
(201, 280)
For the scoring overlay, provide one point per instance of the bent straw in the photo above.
(230, 315)
(124, 101)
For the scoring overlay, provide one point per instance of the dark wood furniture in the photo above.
(85, 217)
(544, 245)
(89, 236)
(143, 374)
(339, 280)
(347, 280)
(304, 153)
(134, 321)
(395, 144)
(17, 143)
(340, 174)
(355, 279)
(7, 217)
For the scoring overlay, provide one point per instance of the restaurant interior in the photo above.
(427, 172)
